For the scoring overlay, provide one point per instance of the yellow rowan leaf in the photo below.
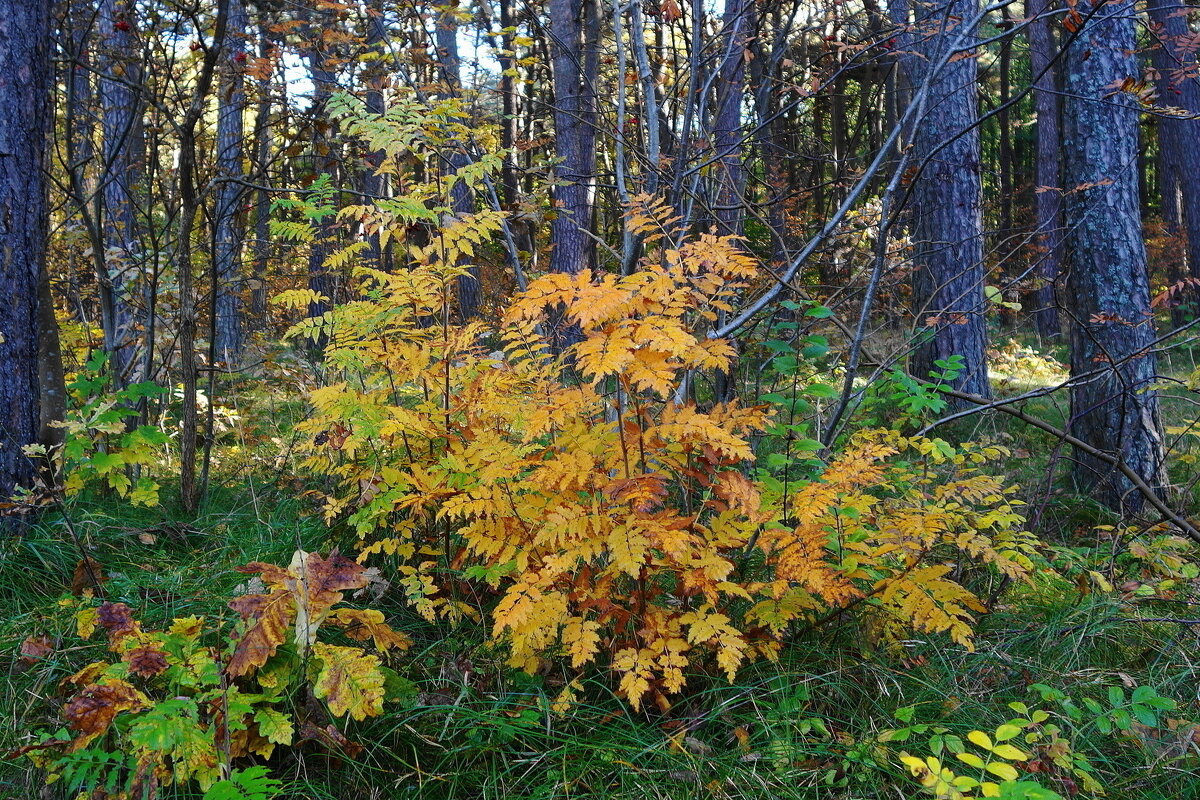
(582, 639)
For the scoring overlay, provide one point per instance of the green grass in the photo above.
(806, 727)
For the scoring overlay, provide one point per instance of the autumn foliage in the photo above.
(594, 512)
(186, 703)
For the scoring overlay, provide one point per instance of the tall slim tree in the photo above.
(575, 61)
(737, 24)
(25, 77)
(455, 156)
(1047, 166)
(946, 213)
(1113, 405)
(1178, 152)
(124, 153)
(229, 226)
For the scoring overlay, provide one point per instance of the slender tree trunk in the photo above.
(262, 198)
(737, 26)
(947, 223)
(1007, 235)
(1048, 177)
(456, 158)
(189, 205)
(574, 31)
(229, 224)
(323, 162)
(123, 164)
(51, 382)
(1108, 295)
(1178, 137)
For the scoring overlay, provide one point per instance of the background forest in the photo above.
(563, 398)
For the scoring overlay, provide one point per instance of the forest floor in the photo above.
(827, 721)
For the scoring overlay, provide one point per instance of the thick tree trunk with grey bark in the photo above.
(945, 202)
(574, 31)
(1048, 167)
(229, 224)
(1113, 407)
(25, 76)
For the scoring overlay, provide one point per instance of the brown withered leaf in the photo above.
(146, 661)
(330, 738)
(269, 617)
(92, 711)
(117, 619)
(740, 493)
(367, 623)
(87, 575)
(35, 648)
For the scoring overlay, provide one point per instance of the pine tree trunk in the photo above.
(25, 76)
(261, 247)
(574, 31)
(737, 29)
(947, 222)
(1048, 169)
(1113, 407)
(1178, 138)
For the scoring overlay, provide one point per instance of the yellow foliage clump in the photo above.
(592, 511)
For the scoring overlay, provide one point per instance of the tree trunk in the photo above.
(262, 199)
(1113, 407)
(574, 31)
(1048, 178)
(455, 157)
(737, 26)
(189, 205)
(947, 223)
(1178, 138)
(229, 233)
(123, 163)
(25, 79)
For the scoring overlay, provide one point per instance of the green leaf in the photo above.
(1006, 732)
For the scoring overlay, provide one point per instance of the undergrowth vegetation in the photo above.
(545, 558)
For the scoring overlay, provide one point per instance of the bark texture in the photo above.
(1178, 138)
(574, 30)
(1112, 405)
(945, 201)
(124, 156)
(25, 77)
(229, 226)
(1048, 168)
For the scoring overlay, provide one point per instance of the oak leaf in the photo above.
(349, 681)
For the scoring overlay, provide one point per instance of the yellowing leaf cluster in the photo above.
(597, 515)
